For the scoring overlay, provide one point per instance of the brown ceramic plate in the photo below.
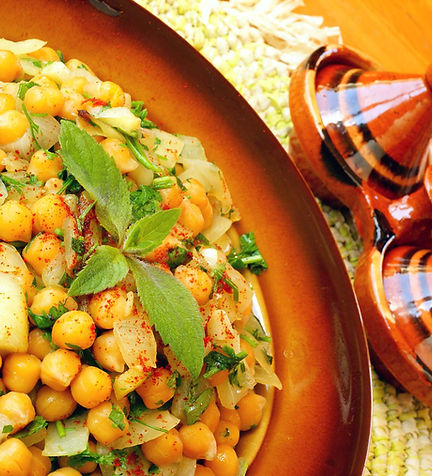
(321, 419)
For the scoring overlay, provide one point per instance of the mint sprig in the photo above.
(104, 269)
(97, 172)
(173, 311)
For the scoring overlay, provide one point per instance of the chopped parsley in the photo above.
(145, 201)
(118, 456)
(7, 429)
(39, 423)
(70, 184)
(117, 417)
(226, 360)
(78, 245)
(24, 87)
(178, 256)
(140, 111)
(46, 320)
(196, 405)
(221, 279)
(249, 256)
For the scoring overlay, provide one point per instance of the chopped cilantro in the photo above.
(145, 201)
(228, 360)
(196, 405)
(60, 55)
(34, 128)
(249, 255)
(137, 407)
(259, 337)
(174, 380)
(117, 417)
(220, 277)
(46, 320)
(24, 87)
(178, 256)
(87, 456)
(140, 111)
(7, 429)
(36, 425)
(153, 469)
(70, 184)
(78, 245)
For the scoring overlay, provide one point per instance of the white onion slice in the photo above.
(75, 441)
(186, 467)
(21, 47)
(219, 226)
(3, 193)
(54, 270)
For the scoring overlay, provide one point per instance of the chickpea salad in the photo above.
(128, 345)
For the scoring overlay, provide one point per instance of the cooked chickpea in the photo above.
(74, 64)
(7, 102)
(74, 328)
(250, 409)
(195, 192)
(197, 281)
(44, 100)
(52, 296)
(155, 391)
(41, 250)
(53, 185)
(15, 222)
(15, 458)
(18, 408)
(108, 306)
(172, 197)
(106, 91)
(3, 155)
(191, 216)
(13, 125)
(91, 387)
(86, 468)
(10, 67)
(227, 433)
(201, 470)
(73, 102)
(45, 54)
(75, 84)
(102, 427)
(225, 462)
(207, 213)
(107, 352)
(198, 441)
(59, 368)
(21, 372)
(122, 156)
(211, 416)
(66, 471)
(54, 405)
(38, 345)
(230, 415)
(45, 166)
(41, 465)
(49, 213)
(166, 449)
(44, 81)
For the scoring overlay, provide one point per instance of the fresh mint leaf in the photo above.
(173, 311)
(249, 256)
(36, 425)
(96, 171)
(148, 233)
(104, 269)
(145, 201)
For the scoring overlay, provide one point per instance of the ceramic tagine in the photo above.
(361, 138)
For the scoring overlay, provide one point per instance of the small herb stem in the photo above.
(138, 152)
(163, 182)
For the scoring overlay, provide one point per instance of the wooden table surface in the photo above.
(396, 33)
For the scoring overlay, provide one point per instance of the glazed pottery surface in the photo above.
(362, 138)
(320, 422)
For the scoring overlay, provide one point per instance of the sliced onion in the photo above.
(75, 441)
(136, 340)
(120, 117)
(164, 147)
(174, 363)
(128, 381)
(70, 232)
(12, 263)
(229, 395)
(29, 67)
(150, 425)
(57, 71)
(221, 331)
(264, 372)
(3, 193)
(35, 438)
(102, 130)
(186, 467)
(141, 175)
(180, 398)
(49, 131)
(219, 226)
(21, 47)
(24, 146)
(192, 149)
(54, 270)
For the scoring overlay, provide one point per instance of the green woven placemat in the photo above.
(256, 44)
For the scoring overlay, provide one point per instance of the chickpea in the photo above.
(75, 84)
(86, 468)
(18, 408)
(122, 156)
(49, 213)
(198, 441)
(160, 254)
(107, 353)
(15, 222)
(41, 465)
(21, 372)
(41, 250)
(52, 296)
(211, 416)
(227, 433)
(218, 378)
(45, 54)
(74, 64)
(44, 100)
(230, 415)
(54, 405)
(166, 449)
(195, 193)
(44, 81)
(59, 368)
(106, 91)
(172, 197)
(197, 281)
(53, 185)
(191, 217)
(45, 166)
(91, 387)
(38, 345)
(201, 470)
(66, 471)
(250, 410)
(73, 102)
(207, 213)
(102, 427)
(74, 328)
(3, 155)
(15, 458)
(108, 306)
(155, 390)
(13, 125)
(10, 67)
(7, 102)
(225, 462)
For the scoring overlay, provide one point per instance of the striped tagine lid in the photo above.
(379, 122)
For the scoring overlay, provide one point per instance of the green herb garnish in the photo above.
(145, 201)
(249, 256)
(47, 320)
(228, 360)
(117, 417)
(39, 423)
